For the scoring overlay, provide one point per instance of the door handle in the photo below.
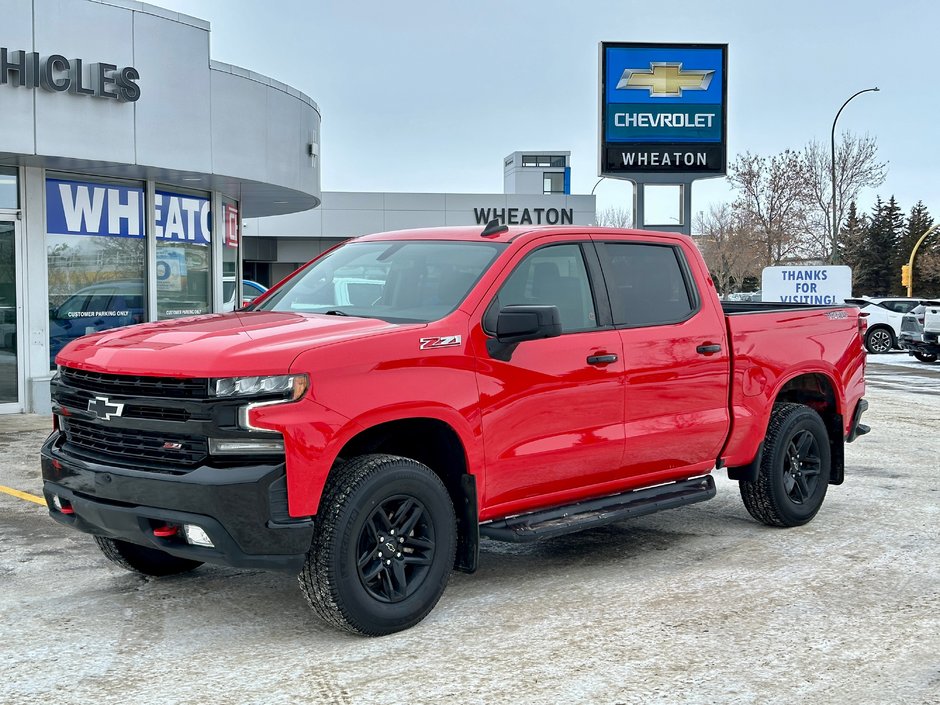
(601, 359)
(707, 349)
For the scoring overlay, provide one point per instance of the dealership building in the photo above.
(536, 191)
(128, 159)
(139, 180)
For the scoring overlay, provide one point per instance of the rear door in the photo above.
(552, 412)
(675, 355)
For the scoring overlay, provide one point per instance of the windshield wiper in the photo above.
(335, 312)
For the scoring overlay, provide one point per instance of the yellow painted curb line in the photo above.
(23, 495)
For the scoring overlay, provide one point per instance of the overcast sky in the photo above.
(430, 96)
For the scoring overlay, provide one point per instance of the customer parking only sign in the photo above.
(807, 285)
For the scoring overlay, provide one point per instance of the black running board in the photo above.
(597, 512)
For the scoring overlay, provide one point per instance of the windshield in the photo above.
(395, 281)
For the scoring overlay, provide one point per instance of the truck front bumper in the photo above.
(242, 510)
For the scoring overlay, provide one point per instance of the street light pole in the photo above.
(835, 225)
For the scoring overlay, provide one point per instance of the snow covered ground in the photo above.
(698, 605)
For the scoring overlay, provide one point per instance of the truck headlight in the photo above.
(290, 387)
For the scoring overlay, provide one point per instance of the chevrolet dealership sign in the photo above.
(663, 108)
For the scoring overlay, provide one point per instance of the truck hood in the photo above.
(217, 345)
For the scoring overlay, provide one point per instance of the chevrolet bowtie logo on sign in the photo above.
(665, 79)
(663, 109)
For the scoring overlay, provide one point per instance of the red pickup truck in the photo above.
(366, 421)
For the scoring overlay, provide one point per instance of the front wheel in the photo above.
(141, 559)
(925, 357)
(794, 471)
(383, 547)
(879, 340)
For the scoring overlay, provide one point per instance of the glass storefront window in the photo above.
(95, 247)
(9, 194)
(8, 361)
(184, 254)
(231, 226)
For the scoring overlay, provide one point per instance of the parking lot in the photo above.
(696, 605)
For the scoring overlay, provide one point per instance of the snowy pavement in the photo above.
(697, 605)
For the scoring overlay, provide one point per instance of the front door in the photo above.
(11, 316)
(552, 412)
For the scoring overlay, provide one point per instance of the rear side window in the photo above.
(648, 284)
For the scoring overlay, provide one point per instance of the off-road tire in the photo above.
(334, 579)
(770, 498)
(879, 340)
(925, 357)
(144, 560)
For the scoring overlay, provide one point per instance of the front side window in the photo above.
(395, 281)
(646, 284)
(550, 276)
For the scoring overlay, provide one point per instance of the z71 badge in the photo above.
(444, 341)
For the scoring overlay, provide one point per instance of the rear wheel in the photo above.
(793, 477)
(383, 547)
(879, 340)
(141, 559)
(925, 357)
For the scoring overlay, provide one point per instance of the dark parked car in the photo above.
(912, 336)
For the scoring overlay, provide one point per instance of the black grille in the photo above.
(133, 445)
(136, 385)
(79, 401)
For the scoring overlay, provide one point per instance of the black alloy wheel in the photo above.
(802, 464)
(879, 341)
(794, 471)
(925, 357)
(396, 549)
(383, 546)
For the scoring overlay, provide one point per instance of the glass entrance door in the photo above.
(10, 315)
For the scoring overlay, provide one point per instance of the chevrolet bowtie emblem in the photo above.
(104, 409)
(666, 79)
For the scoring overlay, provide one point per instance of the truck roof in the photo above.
(471, 233)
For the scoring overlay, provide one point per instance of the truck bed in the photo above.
(819, 342)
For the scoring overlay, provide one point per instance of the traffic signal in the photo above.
(905, 275)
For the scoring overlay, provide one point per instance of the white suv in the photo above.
(884, 320)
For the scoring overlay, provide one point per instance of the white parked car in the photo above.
(884, 320)
(932, 320)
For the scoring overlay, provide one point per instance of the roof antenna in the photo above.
(494, 228)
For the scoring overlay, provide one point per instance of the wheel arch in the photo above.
(437, 444)
(817, 390)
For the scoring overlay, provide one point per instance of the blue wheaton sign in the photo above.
(663, 108)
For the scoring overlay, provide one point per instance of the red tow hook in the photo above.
(166, 531)
(67, 508)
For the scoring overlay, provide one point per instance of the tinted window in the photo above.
(552, 276)
(899, 306)
(646, 284)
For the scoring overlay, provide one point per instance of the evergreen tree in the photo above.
(875, 274)
(852, 241)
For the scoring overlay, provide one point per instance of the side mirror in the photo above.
(516, 324)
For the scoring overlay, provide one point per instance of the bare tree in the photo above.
(773, 198)
(614, 218)
(728, 245)
(857, 167)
